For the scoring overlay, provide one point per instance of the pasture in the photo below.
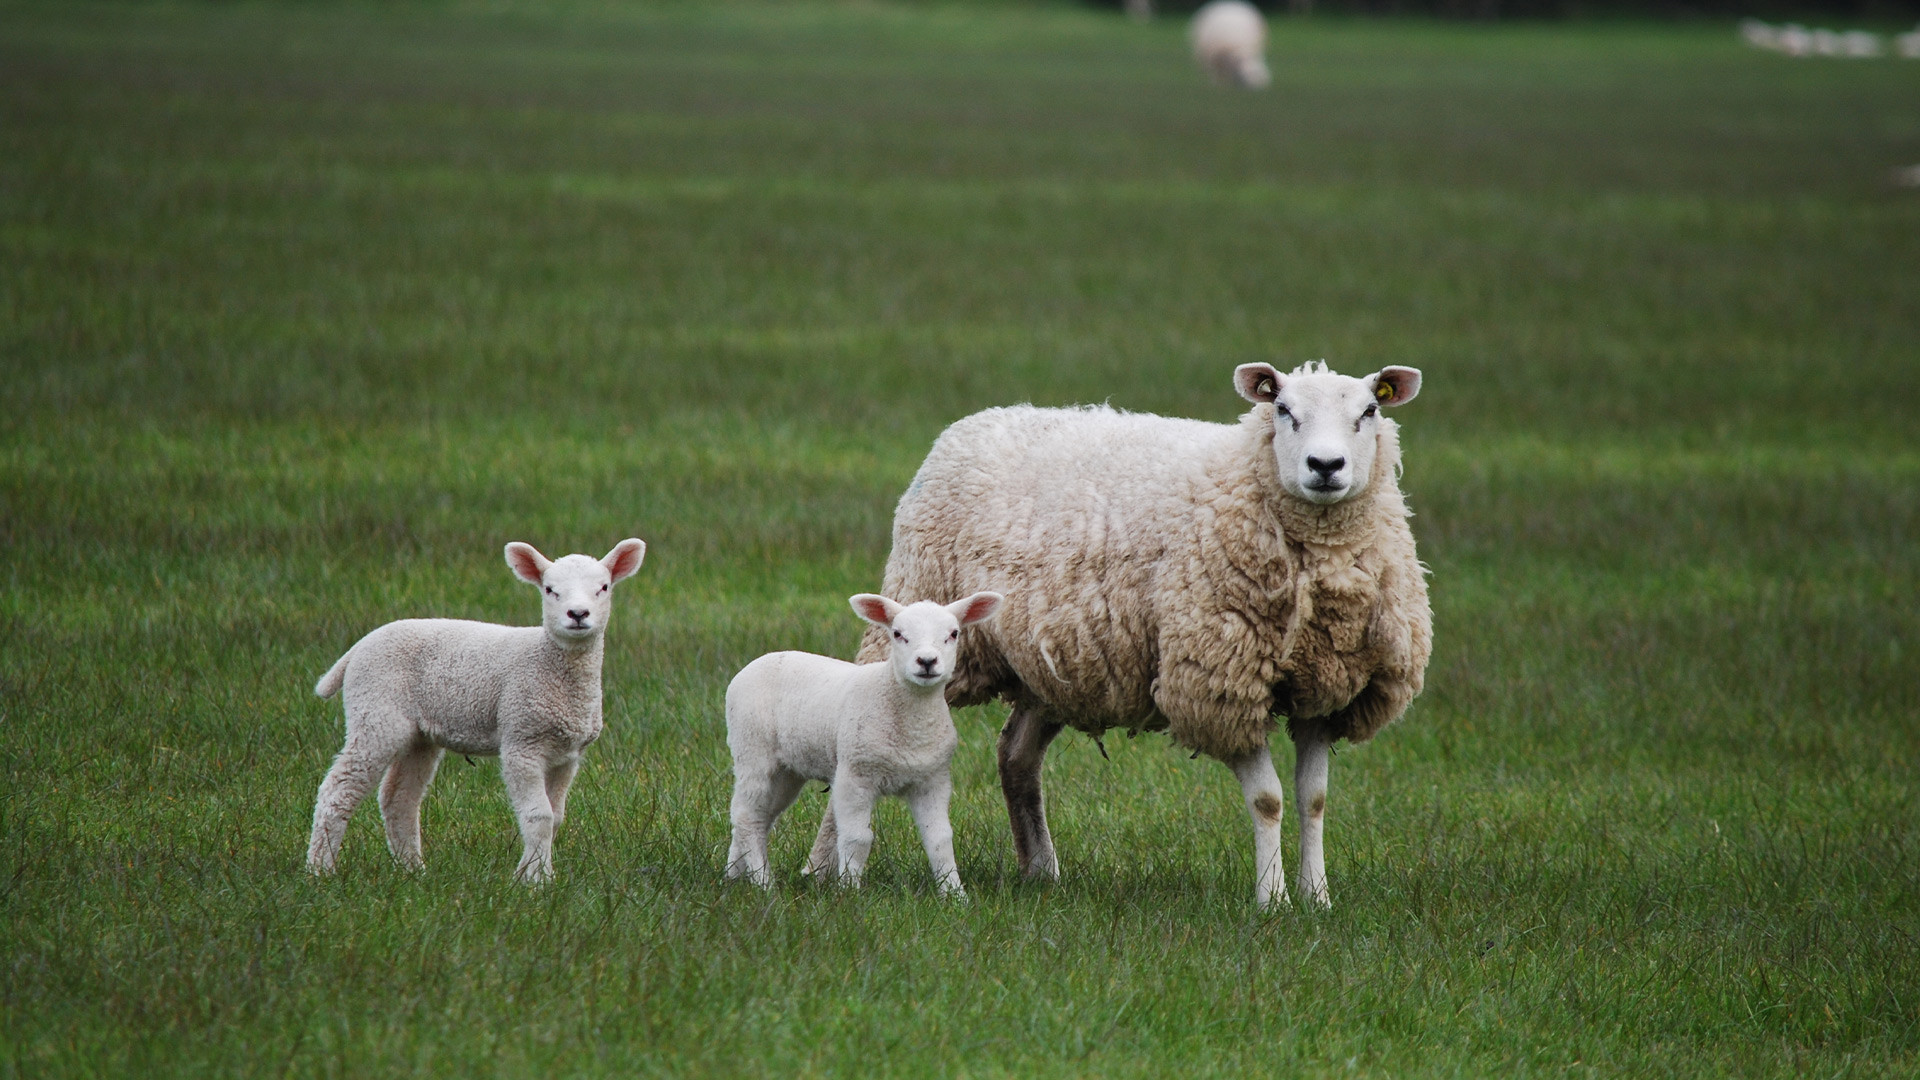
(307, 309)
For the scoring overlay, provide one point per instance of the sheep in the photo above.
(872, 730)
(416, 688)
(1230, 42)
(1908, 44)
(1197, 578)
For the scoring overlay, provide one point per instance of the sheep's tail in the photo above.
(329, 683)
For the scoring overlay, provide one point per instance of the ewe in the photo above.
(1197, 578)
(1230, 41)
(416, 688)
(873, 730)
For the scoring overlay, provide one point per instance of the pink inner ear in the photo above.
(979, 606)
(873, 609)
(626, 560)
(524, 563)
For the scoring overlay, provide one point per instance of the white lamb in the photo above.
(1202, 579)
(1230, 41)
(872, 730)
(416, 688)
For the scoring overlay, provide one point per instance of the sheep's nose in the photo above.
(1326, 466)
(578, 616)
(927, 663)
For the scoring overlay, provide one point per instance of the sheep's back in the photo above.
(1069, 514)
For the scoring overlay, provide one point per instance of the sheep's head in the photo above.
(1326, 426)
(925, 635)
(576, 591)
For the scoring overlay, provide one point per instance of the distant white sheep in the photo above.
(1230, 41)
(1207, 580)
(1796, 40)
(1908, 44)
(869, 731)
(416, 688)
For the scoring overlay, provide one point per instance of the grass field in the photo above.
(306, 309)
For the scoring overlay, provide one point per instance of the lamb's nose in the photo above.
(1326, 466)
(927, 663)
(578, 616)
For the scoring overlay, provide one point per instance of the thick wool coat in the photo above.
(1158, 577)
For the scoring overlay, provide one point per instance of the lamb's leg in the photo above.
(1261, 787)
(853, 814)
(826, 847)
(526, 775)
(400, 797)
(1312, 749)
(354, 771)
(1023, 748)
(758, 801)
(559, 780)
(928, 804)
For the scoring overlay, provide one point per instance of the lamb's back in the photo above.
(447, 676)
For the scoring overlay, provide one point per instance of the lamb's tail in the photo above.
(329, 683)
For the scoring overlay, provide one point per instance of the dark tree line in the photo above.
(1868, 11)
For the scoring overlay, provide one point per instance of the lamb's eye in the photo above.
(550, 591)
(954, 636)
(1372, 410)
(604, 588)
(900, 637)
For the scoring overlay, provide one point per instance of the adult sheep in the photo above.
(1197, 578)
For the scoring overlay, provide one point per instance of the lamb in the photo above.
(416, 688)
(1230, 41)
(873, 730)
(1197, 578)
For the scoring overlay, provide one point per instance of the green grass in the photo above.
(305, 310)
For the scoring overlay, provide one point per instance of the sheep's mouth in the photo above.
(1325, 490)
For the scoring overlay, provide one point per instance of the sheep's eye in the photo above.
(550, 591)
(955, 636)
(898, 636)
(604, 588)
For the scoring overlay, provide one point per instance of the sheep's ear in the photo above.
(876, 609)
(979, 607)
(1395, 385)
(625, 558)
(527, 564)
(1257, 382)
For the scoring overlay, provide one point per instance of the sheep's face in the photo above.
(1326, 427)
(925, 635)
(576, 591)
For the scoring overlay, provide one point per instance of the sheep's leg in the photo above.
(400, 797)
(853, 814)
(1261, 787)
(526, 777)
(1023, 749)
(758, 801)
(826, 847)
(928, 804)
(354, 772)
(559, 779)
(1312, 749)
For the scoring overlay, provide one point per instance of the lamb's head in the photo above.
(576, 591)
(1326, 426)
(926, 635)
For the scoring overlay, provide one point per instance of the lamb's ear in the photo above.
(1257, 382)
(527, 564)
(876, 609)
(625, 558)
(1395, 385)
(979, 607)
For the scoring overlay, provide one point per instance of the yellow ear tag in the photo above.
(1266, 387)
(1383, 391)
